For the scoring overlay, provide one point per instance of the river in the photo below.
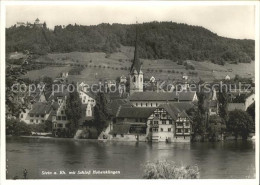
(41, 157)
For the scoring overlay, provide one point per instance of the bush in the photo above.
(17, 128)
(89, 133)
(169, 170)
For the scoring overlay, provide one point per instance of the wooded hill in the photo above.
(156, 40)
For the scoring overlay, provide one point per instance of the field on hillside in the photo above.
(51, 71)
(100, 66)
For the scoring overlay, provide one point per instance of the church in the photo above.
(152, 116)
(140, 98)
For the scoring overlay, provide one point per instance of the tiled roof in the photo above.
(163, 96)
(135, 112)
(174, 109)
(186, 95)
(153, 96)
(120, 129)
(89, 93)
(178, 108)
(40, 108)
(114, 105)
(182, 106)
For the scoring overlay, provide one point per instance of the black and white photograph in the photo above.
(129, 90)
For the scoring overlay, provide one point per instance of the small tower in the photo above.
(89, 110)
(136, 74)
(214, 94)
(37, 21)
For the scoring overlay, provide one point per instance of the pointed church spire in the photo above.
(136, 65)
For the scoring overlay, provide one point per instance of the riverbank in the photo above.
(105, 140)
(231, 159)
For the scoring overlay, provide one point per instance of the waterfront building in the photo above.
(170, 122)
(38, 112)
(167, 122)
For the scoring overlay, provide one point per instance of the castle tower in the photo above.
(136, 74)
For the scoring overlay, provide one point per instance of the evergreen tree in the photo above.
(223, 101)
(73, 111)
(100, 112)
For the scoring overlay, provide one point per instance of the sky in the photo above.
(233, 21)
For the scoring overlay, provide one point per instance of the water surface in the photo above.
(228, 159)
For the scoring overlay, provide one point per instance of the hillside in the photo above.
(157, 40)
(95, 66)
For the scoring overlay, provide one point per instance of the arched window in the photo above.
(134, 79)
(141, 79)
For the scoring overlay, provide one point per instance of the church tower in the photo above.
(136, 74)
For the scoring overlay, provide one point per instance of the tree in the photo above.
(17, 128)
(251, 111)
(48, 82)
(201, 102)
(17, 100)
(240, 123)
(194, 43)
(44, 25)
(100, 112)
(73, 111)
(215, 127)
(223, 101)
(199, 117)
(199, 124)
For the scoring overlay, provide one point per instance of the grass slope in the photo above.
(98, 65)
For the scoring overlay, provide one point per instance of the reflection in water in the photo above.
(230, 159)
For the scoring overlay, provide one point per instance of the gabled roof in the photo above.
(89, 93)
(135, 112)
(114, 105)
(182, 106)
(186, 95)
(61, 94)
(41, 108)
(153, 96)
(177, 109)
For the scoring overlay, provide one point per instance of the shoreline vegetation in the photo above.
(105, 140)
(169, 170)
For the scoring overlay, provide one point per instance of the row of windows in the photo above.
(179, 130)
(37, 115)
(140, 120)
(180, 124)
(186, 130)
(146, 104)
(134, 79)
(158, 115)
(162, 130)
(36, 121)
(163, 122)
(60, 125)
(88, 101)
(61, 118)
